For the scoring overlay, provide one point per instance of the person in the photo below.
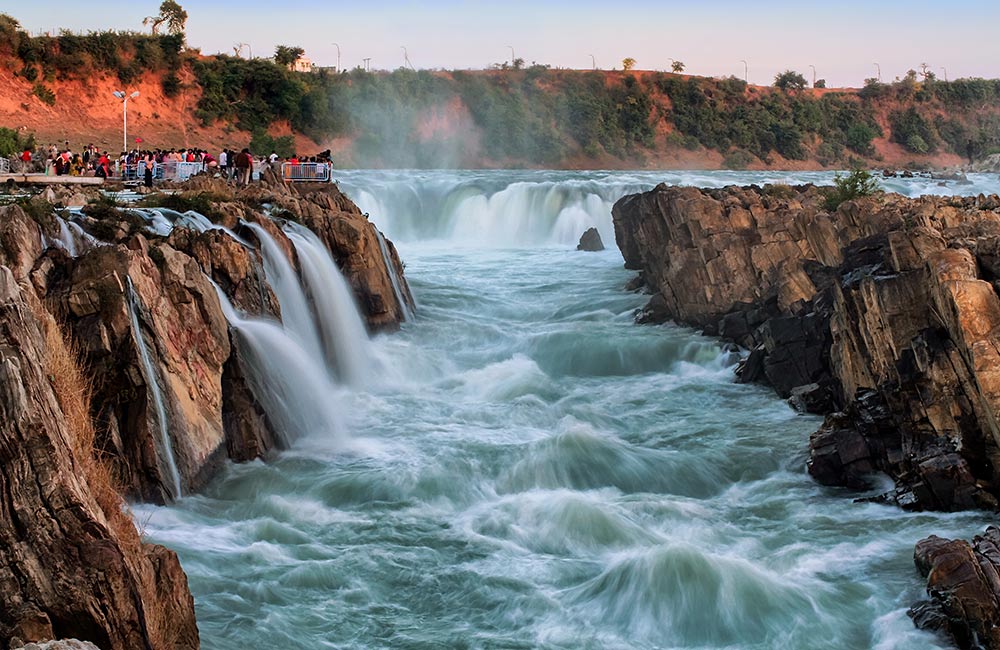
(26, 160)
(148, 164)
(244, 167)
(224, 163)
(970, 151)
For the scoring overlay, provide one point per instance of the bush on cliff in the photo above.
(855, 185)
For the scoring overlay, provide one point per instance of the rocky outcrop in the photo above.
(590, 241)
(881, 314)
(963, 581)
(71, 564)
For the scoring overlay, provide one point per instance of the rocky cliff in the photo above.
(883, 315)
(162, 398)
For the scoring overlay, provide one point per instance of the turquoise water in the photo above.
(528, 469)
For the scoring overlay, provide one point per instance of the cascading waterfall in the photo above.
(397, 287)
(291, 384)
(150, 375)
(343, 332)
(295, 313)
(73, 239)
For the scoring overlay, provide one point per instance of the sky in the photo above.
(843, 40)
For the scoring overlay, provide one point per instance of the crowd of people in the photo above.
(237, 166)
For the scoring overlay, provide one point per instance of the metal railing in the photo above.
(168, 171)
(311, 172)
(4, 166)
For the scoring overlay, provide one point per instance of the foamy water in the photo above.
(529, 469)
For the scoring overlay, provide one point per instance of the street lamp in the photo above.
(945, 70)
(593, 61)
(746, 71)
(511, 55)
(814, 74)
(406, 57)
(878, 73)
(338, 56)
(122, 96)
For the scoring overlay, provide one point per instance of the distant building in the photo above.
(302, 64)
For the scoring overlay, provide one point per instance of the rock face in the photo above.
(163, 402)
(590, 241)
(69, 566)
(882, 314)
(964, 581)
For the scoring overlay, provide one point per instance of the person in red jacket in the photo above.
(26, 160)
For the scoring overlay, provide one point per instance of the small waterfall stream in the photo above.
(150, 375)
(394, 277)
(337, 317)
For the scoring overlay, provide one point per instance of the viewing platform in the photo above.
(43, 179)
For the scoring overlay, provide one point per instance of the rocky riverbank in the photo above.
(119, 376)
(883, 315)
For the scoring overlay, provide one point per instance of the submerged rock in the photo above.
(590, 241)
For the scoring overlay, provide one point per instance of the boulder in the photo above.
(590, 240)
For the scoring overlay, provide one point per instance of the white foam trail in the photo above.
(295, 314)
(343, 332)
(291, 384)
(72, 238)
(152, 381)
(394, 277)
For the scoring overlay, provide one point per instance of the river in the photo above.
(526, 468)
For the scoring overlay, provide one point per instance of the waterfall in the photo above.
(72, 238)
(290, 383)
(152, 381)
(343, 332)
(295, 313)
(394, 277)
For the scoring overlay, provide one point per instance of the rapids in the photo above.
(526, 468)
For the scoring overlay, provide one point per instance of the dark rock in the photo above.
(590, 241)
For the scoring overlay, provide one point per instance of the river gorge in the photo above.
(522, 466)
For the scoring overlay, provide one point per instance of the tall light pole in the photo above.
(746, 70)
(338, 56)
(240, 47)
(878, 73)
(814, 74)
(593, 61)
(945, 70)
(122, 96)
(406, 57)
(368, 64)
(511, 55)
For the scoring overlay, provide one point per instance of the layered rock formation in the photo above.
(884, 315)
(881, 313)
(164, 395)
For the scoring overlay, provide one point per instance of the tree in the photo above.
(518, 63)
(677, 66)
(790, 80)
(820, 83)
(628, 64)
(171, 14)
(286, 55)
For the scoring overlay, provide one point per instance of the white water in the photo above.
(535, 471)
(295, 313)
(292, 385)
(73, 239)
(511, 209)
(344, 336)
(153, 382)
(397, 287)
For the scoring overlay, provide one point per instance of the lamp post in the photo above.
(878, 73)
(406, 57)
(593, 61)
(746, 70)
(338, 56)
(945, 70)
(814, 74)
(122, 96)
(511, 55)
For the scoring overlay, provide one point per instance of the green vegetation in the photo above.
(262, 143)
(790, 80)
(201, 202)
(855, 185)
(172, 15)
(12, 144)
(286, 55)
(44, 93)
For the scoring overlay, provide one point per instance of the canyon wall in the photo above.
(120, 376)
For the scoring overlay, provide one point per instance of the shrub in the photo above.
(857, 184)
(790, 80)
(44, 93)
(11, 143)
(738, 159)
(916, 144)
(910, 129)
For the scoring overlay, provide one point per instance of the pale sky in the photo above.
(843, 40)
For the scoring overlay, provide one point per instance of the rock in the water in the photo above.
(61, 644)
(590, 241)
(963, 581)
(884, 310)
